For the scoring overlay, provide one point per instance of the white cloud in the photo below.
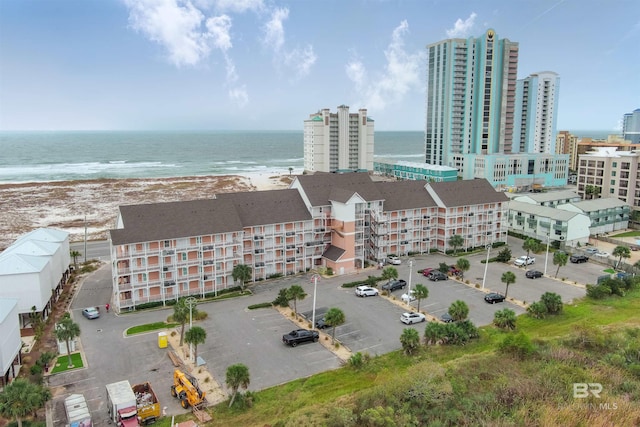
(239, 6)
(462, 29)
(401, 74)
(299, 59)
(176, 27)
(219, 28)
(239, 95)
(274, 29)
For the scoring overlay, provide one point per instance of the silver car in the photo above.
(366, 291)
(410, 318)
(91, 313)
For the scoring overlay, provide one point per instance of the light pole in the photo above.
(315, 278)
(409, 292)
(546, 256)
(191, 301)
(486, 265)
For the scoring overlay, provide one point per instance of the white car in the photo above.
(366, 291)
(602, 254)
(524, 260)
(410, 318)
(408, 297)
(394, 260)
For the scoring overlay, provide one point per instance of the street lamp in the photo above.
(546, 257)
(191, 301)
(315, 278)
(486, 264)
(409, 292)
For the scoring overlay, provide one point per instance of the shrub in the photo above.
(537, 310)
(260, 305)
(282, 300)
(598, 291)
(518, 345)
(36, 369)
(552, 302)
(504, 255)
(356, 360)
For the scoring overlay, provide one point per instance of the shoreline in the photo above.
(93, 203)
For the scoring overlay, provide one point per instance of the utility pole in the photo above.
(85, 238)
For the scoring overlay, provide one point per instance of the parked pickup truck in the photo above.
(294, 338)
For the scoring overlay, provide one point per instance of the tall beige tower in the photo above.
(338, 142)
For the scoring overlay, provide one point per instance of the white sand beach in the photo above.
(66, 205)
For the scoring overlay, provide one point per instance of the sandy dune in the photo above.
(65, 205)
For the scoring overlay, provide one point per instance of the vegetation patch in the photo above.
(62, 363)
(150, 327)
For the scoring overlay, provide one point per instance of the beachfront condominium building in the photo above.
(607, 172)
(471, 87)
(631, 126)
(478, 114)
(536, 113)
(162, 251)
(338, 142)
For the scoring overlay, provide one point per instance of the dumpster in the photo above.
(162, 339)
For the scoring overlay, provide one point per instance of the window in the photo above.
(183, 255)
(185, 271)
(613, 182)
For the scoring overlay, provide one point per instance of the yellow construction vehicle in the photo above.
(185, 387)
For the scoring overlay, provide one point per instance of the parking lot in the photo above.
(253, 337)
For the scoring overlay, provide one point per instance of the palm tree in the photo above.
(21, 398)
(66, 330)
(420, 292)
(463, 265)
(195, 336)
(621, 252)
(334, 317)
(560, 259)
(290, 170)
(75, 255)
(530, 245)
(182, 314)
(389, 273)
(459, 310)
(508, 278)
(434, 332)
(296, 293)
(237, 376)
(241, 272)
(456, 241)
(410, 340)
(505, 319)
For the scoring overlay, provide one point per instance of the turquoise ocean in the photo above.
(82, 155)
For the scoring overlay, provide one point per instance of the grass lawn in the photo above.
(63, 361)
(150, 327)
(628, 234)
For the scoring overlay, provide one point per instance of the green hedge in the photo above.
(261, 305)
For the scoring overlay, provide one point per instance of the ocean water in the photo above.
(61, 156)
(81, 155)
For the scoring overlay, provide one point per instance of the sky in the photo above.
(268, 65)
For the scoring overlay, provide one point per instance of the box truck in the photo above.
(121, 404)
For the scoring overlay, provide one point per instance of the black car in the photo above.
(321, 323)
(493, 298)
(576, 259)
(437, 275)
(533, 274)
(446, 318)
(393, 285)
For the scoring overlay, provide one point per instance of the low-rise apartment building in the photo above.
(163, 251)
(606, 215)
(33, 270)
(543, 222)
(549, 199)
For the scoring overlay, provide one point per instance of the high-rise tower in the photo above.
(338, 142)
(631, 126)
(471, 87)
(536, 113)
